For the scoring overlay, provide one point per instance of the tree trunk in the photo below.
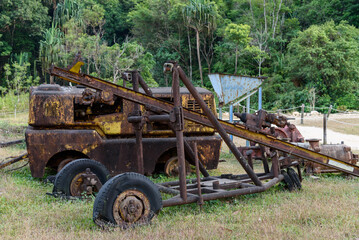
(199, 57)
(236, 62)
(190, 55)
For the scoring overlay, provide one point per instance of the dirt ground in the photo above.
(341, 128)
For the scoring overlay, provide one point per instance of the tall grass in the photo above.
(11, 103)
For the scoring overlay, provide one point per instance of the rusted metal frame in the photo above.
(264, 159)
(7, 144)
(240, 131)
(275, 164)
(217, 125)
(151, 118)
(179, 126)
(187, 147)
(144, 85)
(168, 190)
(138, 126)
(223, 194)
(200, 198)
(13, 160)
(250, 160)
(188, 181)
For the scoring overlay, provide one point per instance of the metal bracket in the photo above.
(168, 67)
(176, 118)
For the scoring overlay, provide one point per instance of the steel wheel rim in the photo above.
(131, 206)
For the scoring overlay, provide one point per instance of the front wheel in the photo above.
(81, 176)
(126, 200)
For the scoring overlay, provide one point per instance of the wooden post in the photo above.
(329, 110)
(325, 120)
(302, 115)
(324, 128)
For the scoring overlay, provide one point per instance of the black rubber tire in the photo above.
(64, 177)
(288, 183)
(295, 178)
(50, 179)
(105, 199)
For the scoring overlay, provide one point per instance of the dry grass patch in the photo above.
(324, 209)
(349, 125)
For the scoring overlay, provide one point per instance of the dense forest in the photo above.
(308, 49)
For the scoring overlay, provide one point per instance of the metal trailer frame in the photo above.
(207, 188)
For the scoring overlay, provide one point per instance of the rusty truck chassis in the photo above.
(209, 187)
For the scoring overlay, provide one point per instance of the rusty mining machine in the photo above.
(131, 199)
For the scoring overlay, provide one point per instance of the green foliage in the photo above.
(18, 80)
(50, 47)
(326, 57)
(273, 38)
(200, 14)
(238, 33)
(22, 22)
(5, 48)
(321, 11)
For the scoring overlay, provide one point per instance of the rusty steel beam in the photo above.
(236, 130)
(223, 194)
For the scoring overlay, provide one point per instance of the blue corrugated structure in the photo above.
(231, 87)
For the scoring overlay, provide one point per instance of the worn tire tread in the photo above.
(287, 181)
(64, 177)
(104, 201)
(295, 178)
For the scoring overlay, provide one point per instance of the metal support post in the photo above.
(248, 111)
(324, 128)
(200, 198)
(178, 111)
(260, 98)
(231, 118)
(138, 126)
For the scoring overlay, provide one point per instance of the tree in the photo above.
(200, 15)
(239, 35)
(22, 22)
(17, 77)
(50, 48)
(326, 57)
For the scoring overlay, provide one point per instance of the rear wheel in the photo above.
(79, 177)
(172, 167)
(288, 183)
(126, 200)
(295, 178)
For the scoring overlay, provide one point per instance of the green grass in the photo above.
(324, 209)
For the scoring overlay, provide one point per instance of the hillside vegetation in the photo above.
(309, 49)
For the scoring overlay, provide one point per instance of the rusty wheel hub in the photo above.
(172, 167)
(131, 206)
(85, 183)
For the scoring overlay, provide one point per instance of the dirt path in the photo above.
(332, 136)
